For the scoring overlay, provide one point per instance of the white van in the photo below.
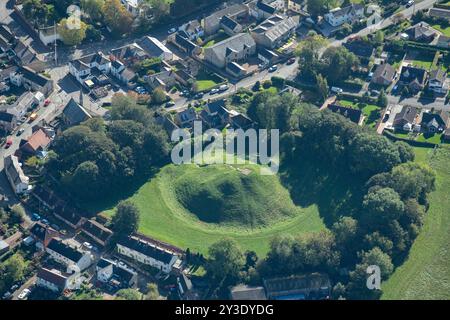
(336, 90)
(223, 87)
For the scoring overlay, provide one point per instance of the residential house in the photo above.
(23, 54)
(31, 80)
(67, 255)
(192, 30)
(245, 292)
(147, 253)
(421, 32)
(97, 232)
(8, 121)
(440, 13)
(4, 247)
(48, 35)
(313, 286)
(295, 5)
(186, 118)
(154, 48)
(234, 49)
(68, 215)
(274, 31)
(4, 87)
(349, 14)
(122, 73)
(437, 82)
(212, 23)
(73, 113)
(39, 141)
(132, 6)
(413, 78)
(215, 114)
(129, 54)
(235, 69)
(240, 121)
(42, 234)
(165, 79)
(24, 103)
(167, 123)
(186, 45)
(87, 67)
(230, 26)
(406, 118)
(354, 115)
(57, 281)
(384, 75)
(267, 56)
(443, 42)
(263, 9)
(116, 274)
(17, 179)
(435, 122)
(185, 287)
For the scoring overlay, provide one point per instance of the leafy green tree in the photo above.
(378, 258)
(322, 87)
(93, 8)
(339, 63)
(382, 206)
(128, 294)
(308, 52)
(126, 219)
(152, 292)
(116, 17)
(69, 35)
(226, 259)
(159, 96)
(405, 151)
(17, 214)
(382, 100)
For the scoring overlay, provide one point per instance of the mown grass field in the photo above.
(426, 272)
(163, 217)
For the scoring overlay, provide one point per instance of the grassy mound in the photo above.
(165, 217)
(227, 195)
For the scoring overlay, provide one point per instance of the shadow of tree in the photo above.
(335, 193)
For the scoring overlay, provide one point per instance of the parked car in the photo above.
(56, 227)
(8, 143)
(33, 117)
(35, 217)
(273, 68)
(45, 221)
(14, 288)
(214, 91)
(290, 61)
(336, 90)
(410, 3)
(374, 93)
(24, 294)
(87, 245)
(170, 104)
(47, 102)
(223, 87)
(7, 295)
(172, 30)
(20, 131)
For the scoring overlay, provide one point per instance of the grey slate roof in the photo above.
(235, 43)
(438, 75)
(244, 292)
(385, 71)
(65, 250)
(75, 113)
(354, 115)
(276, 27)
(147, 249)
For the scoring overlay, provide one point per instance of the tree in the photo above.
(322, 87)
(378, 258)
(152, 292)
(160, 9)
(316, 7)
(345, 231)
(93, 8)
(116, 17)
(308, 52)
(405, 151)
(226, 259)
(158, 96)
(17, 214)
(380, 207)
(126, 219)
(382, 100)
(71, 35)
(339, 63)
(12, 270)
(128, 294)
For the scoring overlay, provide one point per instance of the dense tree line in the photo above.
(383, 221)
(94, 158)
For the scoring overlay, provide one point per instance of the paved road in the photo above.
(30, 282)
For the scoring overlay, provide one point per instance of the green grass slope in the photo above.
(426, 272)
(269, 214)
(225, 195)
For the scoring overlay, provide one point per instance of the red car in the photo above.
(47, 102)
(8, 144)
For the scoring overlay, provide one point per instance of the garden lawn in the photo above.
(436, 138)
(370, 111)
(426, 272)
(164, 218)
(445, 31)
(207, 81)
